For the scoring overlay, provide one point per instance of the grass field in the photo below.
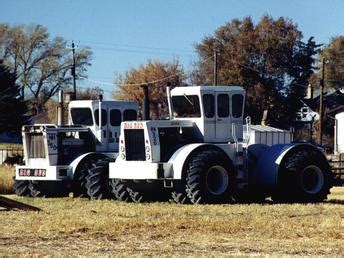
(68, 226)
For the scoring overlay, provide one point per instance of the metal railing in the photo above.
(337, 167)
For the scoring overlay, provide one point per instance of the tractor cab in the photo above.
(217, 111)
(105, 125)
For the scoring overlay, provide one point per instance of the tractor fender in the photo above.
(179, 158)
(76, 162)
(265, 171)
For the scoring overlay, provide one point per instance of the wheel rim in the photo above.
(217, 180)
(312, 179)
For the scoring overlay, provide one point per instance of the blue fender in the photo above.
(270, 161)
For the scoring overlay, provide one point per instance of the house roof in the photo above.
(331, 101)
(336, 110)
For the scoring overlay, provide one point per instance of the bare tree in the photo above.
(42, 65)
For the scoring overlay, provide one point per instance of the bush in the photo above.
(6, 179)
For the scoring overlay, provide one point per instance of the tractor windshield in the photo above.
(186, 106)
(81, 116)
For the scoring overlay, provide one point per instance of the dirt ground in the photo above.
(68, 226)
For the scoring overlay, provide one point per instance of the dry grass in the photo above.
(6, 179)
(11, 145)
(80, 227)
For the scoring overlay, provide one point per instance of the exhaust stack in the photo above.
(60, 110)
(145, 103)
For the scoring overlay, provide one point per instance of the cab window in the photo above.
(208, 102)
(104, 117)
(223, 105)
(81, 116)
(129, 115)
(115, 117)
(186, 106)
(237, 102)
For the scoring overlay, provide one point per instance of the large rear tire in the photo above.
(21, 188)
(210, 177)
(79, 181)
(97, 180)
(305, 177)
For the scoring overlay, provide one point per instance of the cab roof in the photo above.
(196, 89)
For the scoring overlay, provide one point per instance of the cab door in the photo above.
(223, 130)
(208, 100)
(114, 128)
(103, 137)
(237, 109)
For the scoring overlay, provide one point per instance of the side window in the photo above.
(223, 105)
(82, 116)
(209, 105)
(115, 117)
(237, 102)
(104, 117)
(129, 115)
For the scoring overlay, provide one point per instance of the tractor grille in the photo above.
(36, 146)
(134, 144)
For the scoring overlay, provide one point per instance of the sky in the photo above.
(126, 34)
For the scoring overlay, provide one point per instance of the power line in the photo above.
(142, 83)
(113, 45)
(138, 51)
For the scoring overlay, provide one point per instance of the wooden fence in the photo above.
(11, 156)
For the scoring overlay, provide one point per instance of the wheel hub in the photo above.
(217, 180)
(312, 179)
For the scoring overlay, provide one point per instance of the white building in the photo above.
(338, 129)
(340, 132)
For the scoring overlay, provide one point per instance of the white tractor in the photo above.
(62, 158)
(205, 154)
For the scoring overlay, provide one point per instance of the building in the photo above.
(338, 115)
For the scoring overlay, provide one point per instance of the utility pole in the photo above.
(73, 71)
(321, 108)
(215, 67)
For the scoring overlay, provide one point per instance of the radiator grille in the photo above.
(134, 144)
(36, 146)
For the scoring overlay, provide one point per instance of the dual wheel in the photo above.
(305, 176)
(90, 180)
(208, 178)
(28, 188)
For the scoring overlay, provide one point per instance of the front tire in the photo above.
(119, 189)
(21, 188)
(79, 181)
(210, 177)
(305, 177)
(144, 191)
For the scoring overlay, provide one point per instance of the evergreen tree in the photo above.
(12, 107)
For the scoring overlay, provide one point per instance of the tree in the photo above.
(268, 59)
(89, 93)
(42, 65)
(49, 114)
(334, 68)
(156, 75)
(11, 105)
